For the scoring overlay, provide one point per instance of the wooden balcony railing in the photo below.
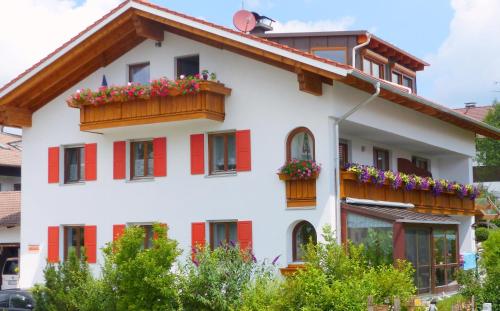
(299, 192)
(446, 203)
(208, 103)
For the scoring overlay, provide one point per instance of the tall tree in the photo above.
(488, 149)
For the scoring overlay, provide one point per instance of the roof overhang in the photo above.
(133, 21)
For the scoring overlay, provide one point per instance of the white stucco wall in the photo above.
(265, 100)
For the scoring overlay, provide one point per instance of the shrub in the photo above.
(69, 286)
(491, 263)
(217, 279)
(482, 234)
(337, 279)
(447, 303)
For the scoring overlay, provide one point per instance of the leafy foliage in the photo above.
(482, 234)
(488, 149)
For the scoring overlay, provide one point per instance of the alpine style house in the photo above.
(204, 155)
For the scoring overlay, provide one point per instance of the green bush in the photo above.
(336, 279)
(68, 286)
(490, 262)
(217, 279)
(447, 303)
(482, 234)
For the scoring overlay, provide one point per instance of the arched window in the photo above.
(300, 144)
(302, 234)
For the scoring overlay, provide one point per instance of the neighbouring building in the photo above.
(205, 161)
(10, 195)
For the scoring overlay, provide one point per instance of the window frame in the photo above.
(330, 48)
(176, 64)
(80, 167)
(227, 224)
(416, 159)
(345, 155)
(211, 169)
(80, 237)
(129, 71)
(387, 158)
(372, 63)
(294, 238)
(401, 77)
(146, 164)
(290, 137)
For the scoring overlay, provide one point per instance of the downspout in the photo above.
(336, 122)
(357, 47)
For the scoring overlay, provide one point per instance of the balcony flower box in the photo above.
(437, 196)
(160, 101)
(300, 182)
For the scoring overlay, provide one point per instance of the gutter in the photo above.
(336, 122)
(357, 47)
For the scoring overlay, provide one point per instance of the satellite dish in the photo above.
(244, 21)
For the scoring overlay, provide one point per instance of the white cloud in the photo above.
(468, 62)
(31, 29)
(321, 25)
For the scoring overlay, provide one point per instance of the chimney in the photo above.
(264, 24)
(470, 105)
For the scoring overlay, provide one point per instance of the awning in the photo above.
(397, 214)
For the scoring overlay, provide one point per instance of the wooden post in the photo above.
(397, 304)
(370, 303)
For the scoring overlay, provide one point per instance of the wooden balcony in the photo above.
(299, 192)
(208, 103)
(447, 203)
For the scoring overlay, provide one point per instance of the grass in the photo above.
(445, 304)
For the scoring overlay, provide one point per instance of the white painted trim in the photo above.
(378, 203)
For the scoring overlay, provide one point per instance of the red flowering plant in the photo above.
(301, 169)
(156, 88)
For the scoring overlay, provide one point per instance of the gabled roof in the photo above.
(478, 113)
(10, 208)
(133, 21)
(10, 155)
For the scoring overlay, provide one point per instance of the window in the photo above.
(11, 267)
(187, 65)
(373, 68)
(141, 159)
(300, 144)
(17, 187)
(139, 73)
(303, 233)
(222, 152)
(74, 164)
(338, 54)
(381, 159)
(374, 234)
(343, 154)
(222, 233)
(402, 79)
(73, 240)
(445, 257)
(148, 235)
(20, 301)
(420, 163)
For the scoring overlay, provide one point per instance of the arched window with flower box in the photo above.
(300, 170)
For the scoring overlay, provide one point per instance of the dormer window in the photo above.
(373, 68)
(337, 54)
(403, 80)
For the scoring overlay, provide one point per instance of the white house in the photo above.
(205, 163)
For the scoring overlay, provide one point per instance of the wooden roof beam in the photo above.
(310, 82)
(16, 117)
(148, 29)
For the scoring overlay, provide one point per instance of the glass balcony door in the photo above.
(418, 252)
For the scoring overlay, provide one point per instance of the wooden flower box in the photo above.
(291, 269)
(208, 103)
(300, 192)
(424, 201)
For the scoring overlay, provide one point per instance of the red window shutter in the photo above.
(243, 151)
(90, 243)
(197, 154)
(197, 234)
(53, 245)
(119, 160)
(118, 231)
(53, 165)
(155, 235)
(90, 162)
(245, 234)
(160, 157)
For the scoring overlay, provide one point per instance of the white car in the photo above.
(10, 273)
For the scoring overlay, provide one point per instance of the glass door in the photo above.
(418, 252)
(445, 258)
